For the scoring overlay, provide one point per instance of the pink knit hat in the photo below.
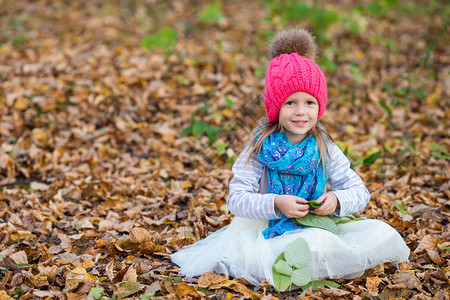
(291, 70)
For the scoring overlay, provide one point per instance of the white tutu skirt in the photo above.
(240, 250)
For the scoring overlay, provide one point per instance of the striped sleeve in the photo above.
(348, 187)
(244, 199)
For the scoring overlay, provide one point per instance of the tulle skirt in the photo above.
(241, 251)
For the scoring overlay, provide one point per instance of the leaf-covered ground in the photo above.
(120, 120)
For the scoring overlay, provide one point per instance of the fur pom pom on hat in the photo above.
(292, 69)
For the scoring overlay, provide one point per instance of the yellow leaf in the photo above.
(227, 112)
(150, 247)
(187, 184)
(21, 103)
(185, 291)
(5, 296)
(113, 202)
(85, 264)
(91, 279)
(39, 135)
(349, 129)
(359, 54)
(372, 284)
(40, 280)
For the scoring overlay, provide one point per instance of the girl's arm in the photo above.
(348, 187)
(244, 200)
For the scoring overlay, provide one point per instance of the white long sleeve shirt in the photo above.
(249, 197)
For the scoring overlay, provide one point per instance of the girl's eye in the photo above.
(310, 102)
(290, 103)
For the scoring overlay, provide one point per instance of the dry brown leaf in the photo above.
(66, 243)
(130, 275)
(150, 247)
(140, 235)
(427, 242)
(395, 293)
(16, 280)
(333, 292)
(408, 279)
(86, 263)
(42, 294)
(19, 257)
(5, 279)
(54, 249)
(40, 280)
(211, 279)
(82, 224)
(372, 284)
(126, 289)
(184, 291)
(74, 279)
(106, 225)
(109, 270)
(435, 257)
(240, 288)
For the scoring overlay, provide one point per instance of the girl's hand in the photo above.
(330, 203)
(291, 206)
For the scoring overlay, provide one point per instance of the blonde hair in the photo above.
(264, 128)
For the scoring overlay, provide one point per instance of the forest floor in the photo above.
(120, 120)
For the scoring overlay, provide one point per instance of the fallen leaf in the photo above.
(427, 242)
(5, 296)
(333, 292)
(372, 284)
(140, 235)
(126, 289)
(211, 279)
(74, 279)
(130, 275)
(39, 186)
(408, 279)
(183, 291)
(40, 280)
(83, 224)
(19, 258)
(109, 270)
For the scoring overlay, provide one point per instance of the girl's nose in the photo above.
(300, 110)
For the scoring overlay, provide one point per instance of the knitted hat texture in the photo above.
(294, 71)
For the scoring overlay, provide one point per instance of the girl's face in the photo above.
(298, 115)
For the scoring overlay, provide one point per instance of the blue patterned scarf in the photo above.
(292, 170)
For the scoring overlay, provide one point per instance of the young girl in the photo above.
(288, 161)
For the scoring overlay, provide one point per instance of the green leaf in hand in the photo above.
(297, 253)
(323, 222)
(313, 204)
(301, 277)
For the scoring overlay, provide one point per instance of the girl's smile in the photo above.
(298, 115)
